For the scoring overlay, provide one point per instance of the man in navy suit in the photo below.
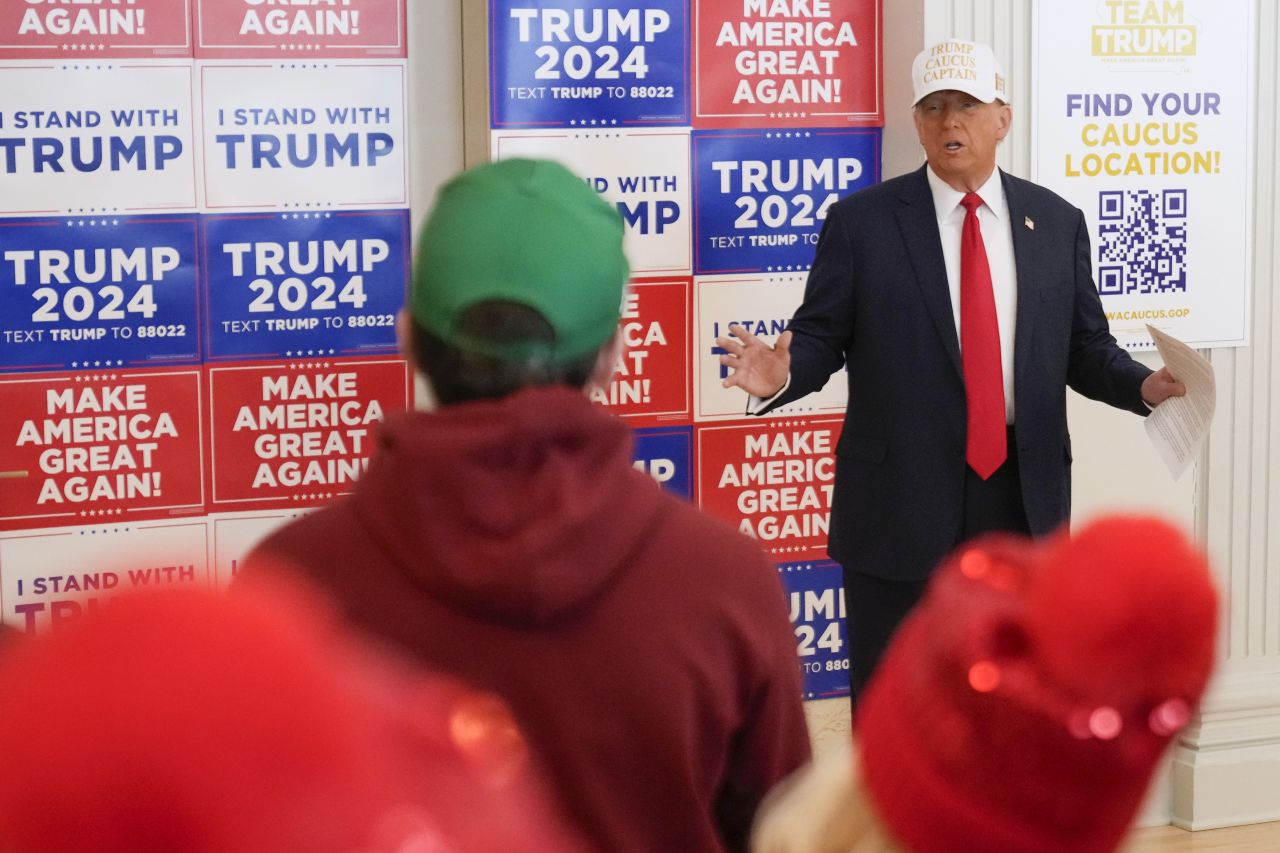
(961, 301)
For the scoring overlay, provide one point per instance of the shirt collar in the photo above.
(947, 200)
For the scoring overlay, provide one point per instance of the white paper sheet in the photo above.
(1178, 426)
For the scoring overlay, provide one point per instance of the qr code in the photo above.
(1142, 241)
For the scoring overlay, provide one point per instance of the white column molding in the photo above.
(1227, 768)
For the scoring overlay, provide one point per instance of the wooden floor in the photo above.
(1254, 838)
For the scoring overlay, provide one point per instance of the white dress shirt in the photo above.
(997, 236)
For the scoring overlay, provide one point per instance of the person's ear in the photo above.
(424, 397)
(1005, 119)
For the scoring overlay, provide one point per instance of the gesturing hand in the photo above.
(755, 367)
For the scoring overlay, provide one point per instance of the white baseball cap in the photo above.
(964, 66)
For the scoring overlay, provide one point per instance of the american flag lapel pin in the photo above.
(1029, 222)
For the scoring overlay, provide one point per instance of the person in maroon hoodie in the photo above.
(502, 535)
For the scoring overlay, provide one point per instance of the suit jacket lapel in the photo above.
(918, 222)
(1025, 250)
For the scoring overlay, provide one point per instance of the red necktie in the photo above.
(985, 449)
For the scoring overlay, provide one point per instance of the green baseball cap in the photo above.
(525, 231)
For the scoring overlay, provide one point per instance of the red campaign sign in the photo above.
(772, 479)
(651, 380)
(41, 30)
(787, 63)
(263, 29)
(81, 448)
(290, 435)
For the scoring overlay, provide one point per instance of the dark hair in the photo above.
(458, 375)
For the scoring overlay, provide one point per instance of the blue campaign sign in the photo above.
(98, 291)
(571, 63)
(665, 454)
(304, 284)
(761, 196)
(815, 600)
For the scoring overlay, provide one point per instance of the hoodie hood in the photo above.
(517, 510)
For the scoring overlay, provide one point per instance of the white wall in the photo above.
(435, 99)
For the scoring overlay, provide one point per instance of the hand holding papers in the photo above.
(1177, 426)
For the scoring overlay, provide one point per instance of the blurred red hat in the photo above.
(1024, 704)
(190, 721)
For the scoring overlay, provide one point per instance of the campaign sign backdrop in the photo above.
(815, 600)
(1141, 119)
(651, 379)
(304, 284)
(667, 456)
(84, 137)
(762, 305)
(792, 63)
(304, 134)
(588, 63)
(53, 576)
(296, 434)
(106, 291)
(258, 29)
(76, 448)
(644, 172)
(772, 479)
(760, 197)
(235, 534)
(50, 30)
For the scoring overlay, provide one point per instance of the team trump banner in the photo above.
(1141, 117)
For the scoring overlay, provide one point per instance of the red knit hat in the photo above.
(1024, 704)
(189, 721)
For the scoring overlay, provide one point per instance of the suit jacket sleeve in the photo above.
(1098, 367)
(823, 324)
